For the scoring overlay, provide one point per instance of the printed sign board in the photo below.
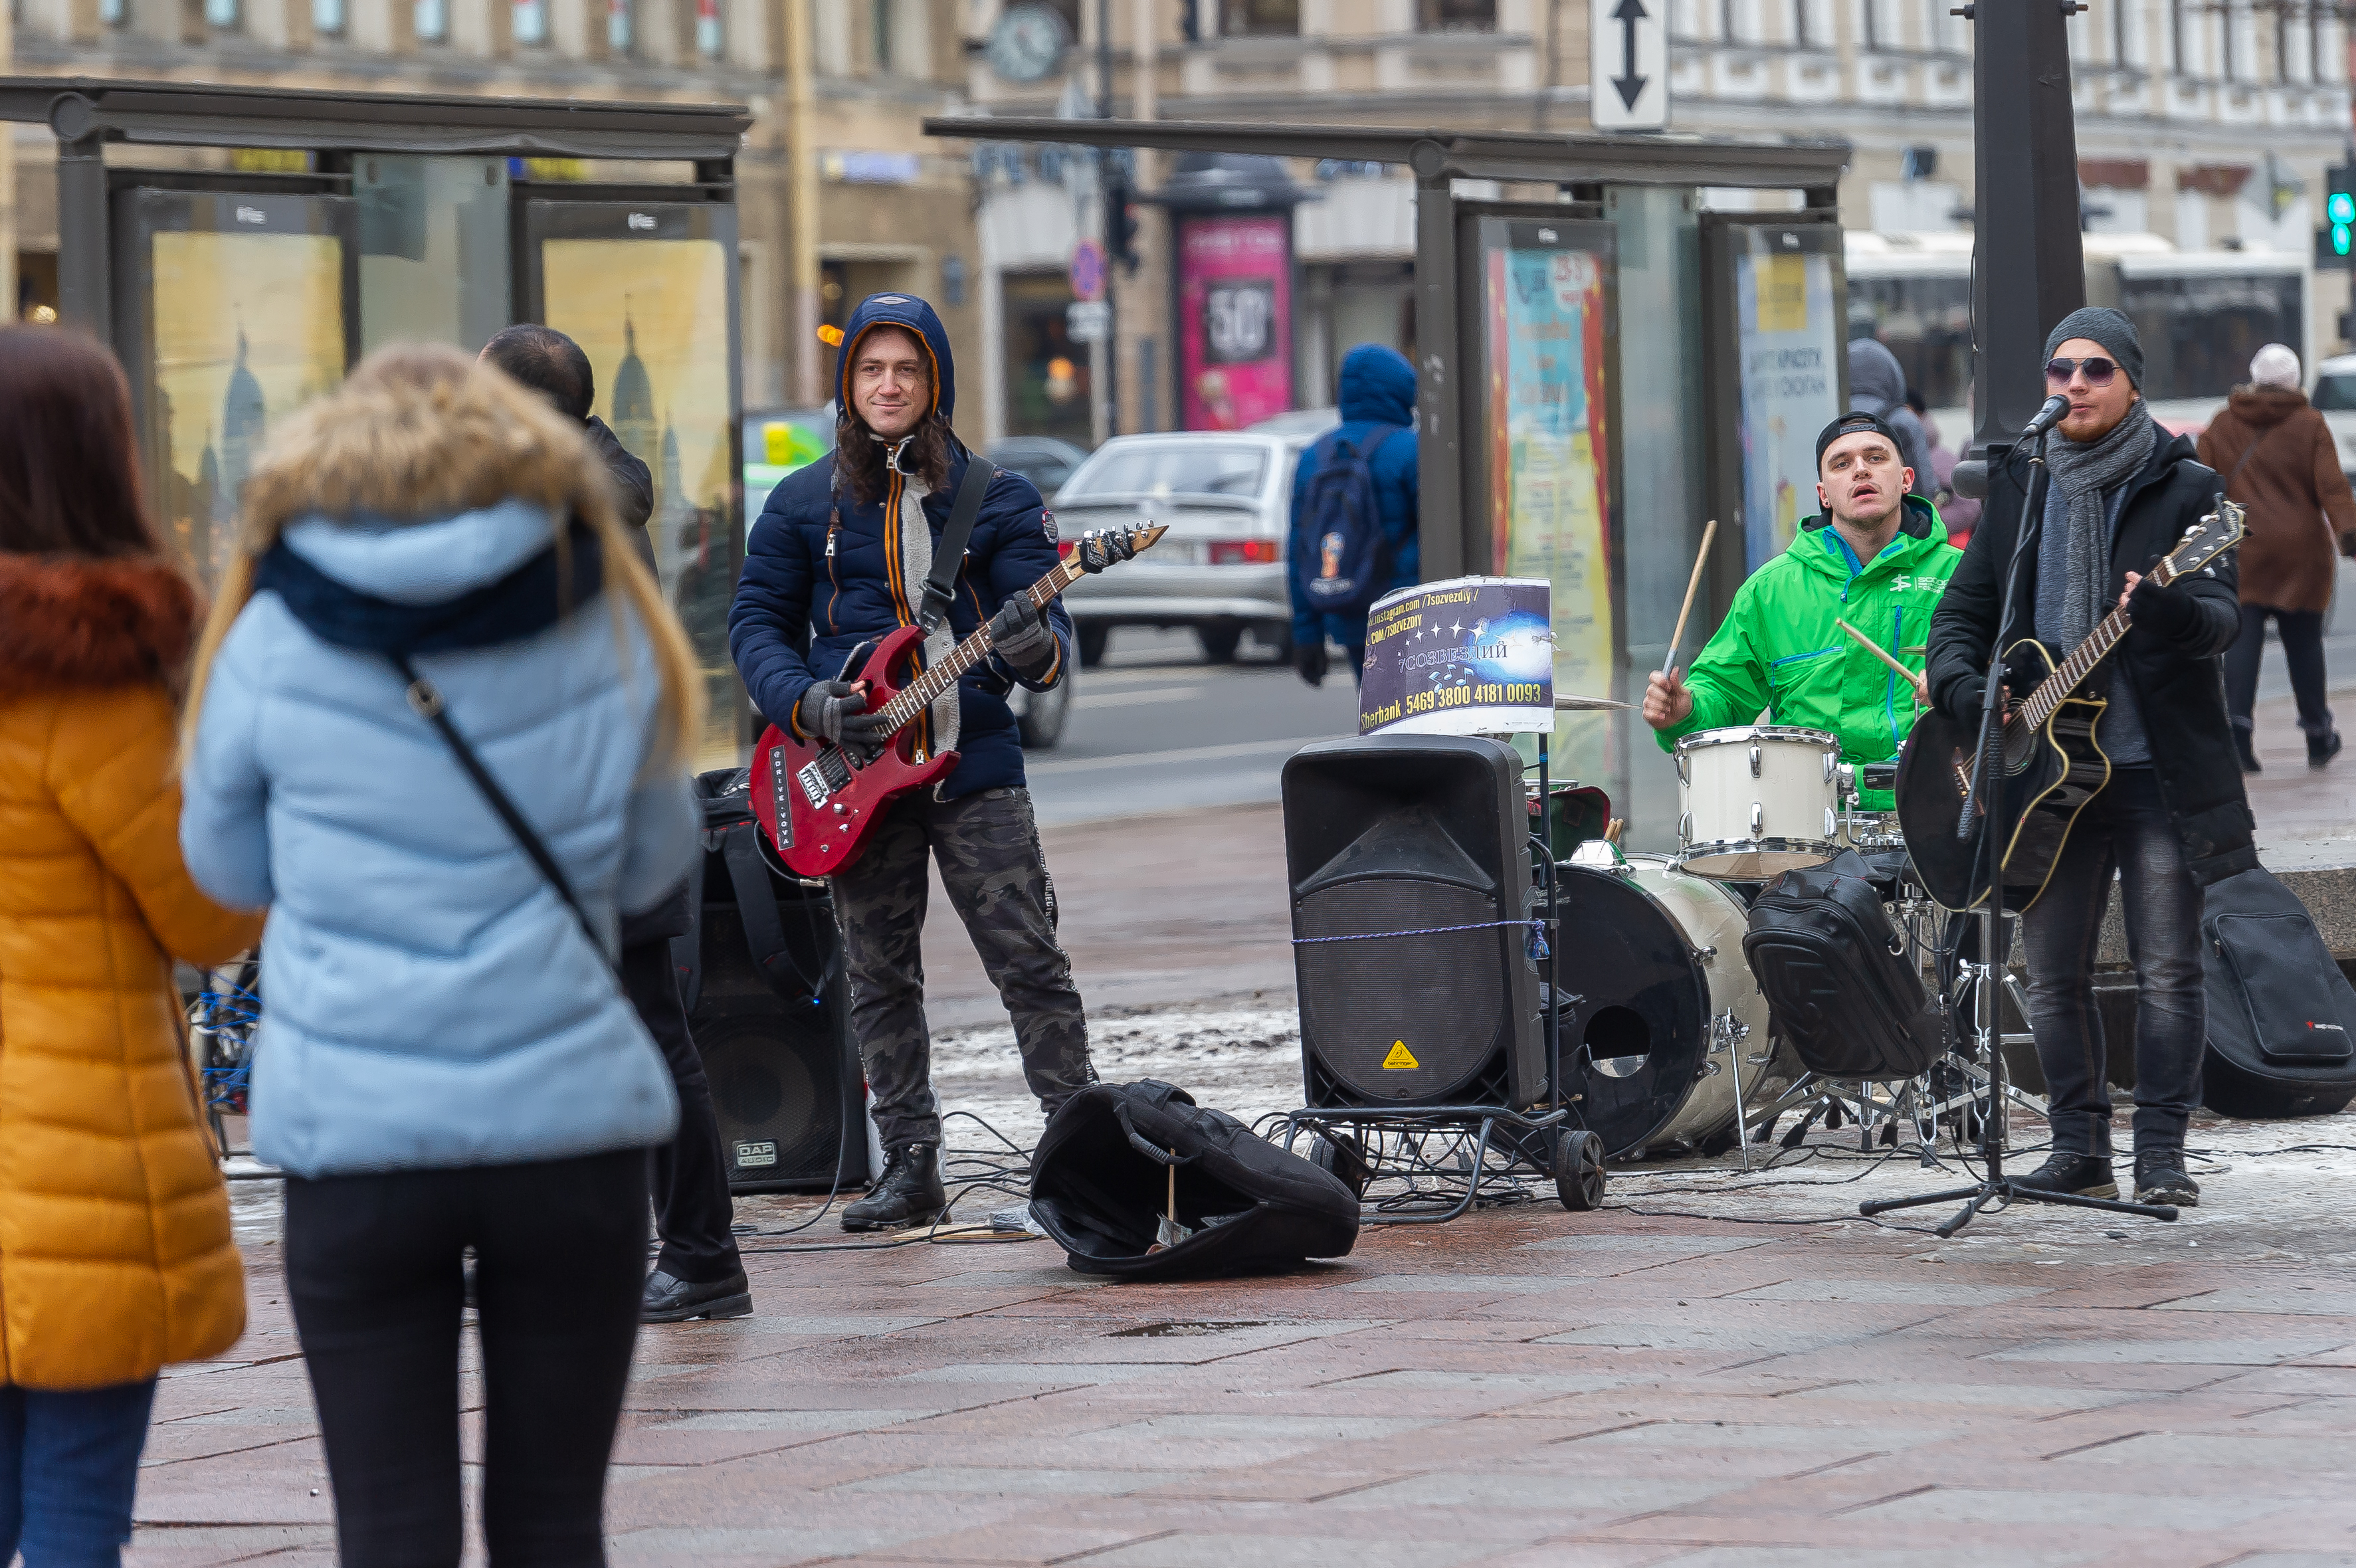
(1469, 656)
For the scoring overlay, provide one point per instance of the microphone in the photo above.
(2046, 417)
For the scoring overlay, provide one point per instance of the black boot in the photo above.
(910, 1192)
(2160, 1178)
(2322, 751)
(672, 1300)
(2088, 1175)
(2243, 740)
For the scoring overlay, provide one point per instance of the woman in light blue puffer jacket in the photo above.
(446, 1061)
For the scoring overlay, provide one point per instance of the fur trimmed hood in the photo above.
(72, 621)
(397, 450)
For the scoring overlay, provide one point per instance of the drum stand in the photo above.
(1988, 798)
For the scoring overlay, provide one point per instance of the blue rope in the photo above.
(1421, 931)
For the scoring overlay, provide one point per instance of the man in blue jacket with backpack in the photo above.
(1355, 512)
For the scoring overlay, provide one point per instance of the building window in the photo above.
(222, 13)
(432, 18)
(1729, 32)
(1449, 17)
(530, 19)
(1242, 18)
(708, 38)
(619, 31)
(113, 13)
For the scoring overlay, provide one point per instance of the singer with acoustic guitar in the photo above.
(845, 554)
(2171, 818)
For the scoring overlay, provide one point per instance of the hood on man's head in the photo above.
(1377, 384)
(903, 310)
(1875, 381)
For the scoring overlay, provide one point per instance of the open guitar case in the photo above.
(2282, 1016)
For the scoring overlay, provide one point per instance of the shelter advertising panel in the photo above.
(648, 290)
(235, 310)
(1780, 287)
(1235, 319)
(1547, 327)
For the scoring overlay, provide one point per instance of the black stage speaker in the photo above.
(770, 1012)
(1411, 833)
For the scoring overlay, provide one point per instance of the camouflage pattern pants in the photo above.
(988, 849)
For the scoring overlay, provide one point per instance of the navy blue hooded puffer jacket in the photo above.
(822, 574)
(1376, 389)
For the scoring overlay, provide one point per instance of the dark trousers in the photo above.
(375, 1271)
(694, 1209)
(987, 850)
(2302, 642)
(2124, 828)
(68, 1470)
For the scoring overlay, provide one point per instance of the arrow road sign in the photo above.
(1628, 51)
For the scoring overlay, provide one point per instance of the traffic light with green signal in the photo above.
(2335, 241)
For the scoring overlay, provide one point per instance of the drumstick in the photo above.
(1922, 687)
(1670, 665)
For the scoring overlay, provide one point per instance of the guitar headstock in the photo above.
(1147, 536)
(2206, 540)
(1097, 550)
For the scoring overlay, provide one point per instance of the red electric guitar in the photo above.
(817, 800)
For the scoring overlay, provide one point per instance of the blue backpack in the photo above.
(1349, 555)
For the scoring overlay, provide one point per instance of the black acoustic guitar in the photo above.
(2051, 765)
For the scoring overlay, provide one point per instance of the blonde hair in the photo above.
(419, 432)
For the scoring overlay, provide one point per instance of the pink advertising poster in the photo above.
(1235, 319)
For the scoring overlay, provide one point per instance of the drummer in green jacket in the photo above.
(1876, 557)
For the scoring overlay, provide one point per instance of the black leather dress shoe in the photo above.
(669, 1300)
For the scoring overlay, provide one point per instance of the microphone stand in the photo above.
(1996, 925)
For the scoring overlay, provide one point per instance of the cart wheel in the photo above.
(1345, 1156)
(1579, 1171)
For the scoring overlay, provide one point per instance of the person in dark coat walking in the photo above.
(1376, 393)
(1877, 385)
(2280, 460)
(698, 1273)
(2173, 818)
(838, 558)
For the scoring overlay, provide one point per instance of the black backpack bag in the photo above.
(1101, 1184)
(1820, 945)
(2280, 1011)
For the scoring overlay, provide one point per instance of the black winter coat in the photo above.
(2180, 686)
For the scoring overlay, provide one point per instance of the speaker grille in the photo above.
(1369, 1007)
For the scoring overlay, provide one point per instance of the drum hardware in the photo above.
(1726, 1034)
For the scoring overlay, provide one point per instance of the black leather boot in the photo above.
(2088, 1175)
(672, 1300)
(2245, 744)
(2160, 1178)
(2321, 749)
(910, 1192)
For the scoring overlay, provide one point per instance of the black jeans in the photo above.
(2125, 827)
(375, 1271)
(2302, 642)
(694, 1209)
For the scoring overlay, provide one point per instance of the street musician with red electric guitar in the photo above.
(841, 566)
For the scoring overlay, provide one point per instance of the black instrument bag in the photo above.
(2282, 1016)
(1100, 1184)
(1822, 947)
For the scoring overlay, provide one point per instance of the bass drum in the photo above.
(1655, 956)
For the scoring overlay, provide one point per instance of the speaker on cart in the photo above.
(762, 976)
(1425, 834)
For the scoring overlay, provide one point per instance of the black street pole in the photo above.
(1107, 221)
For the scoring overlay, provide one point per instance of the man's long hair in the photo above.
(860, 453)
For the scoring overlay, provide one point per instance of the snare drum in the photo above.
(1757, 801)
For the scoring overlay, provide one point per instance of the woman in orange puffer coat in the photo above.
(115, 1253)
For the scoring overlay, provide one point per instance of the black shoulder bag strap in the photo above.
(950, 553)
(426, 699)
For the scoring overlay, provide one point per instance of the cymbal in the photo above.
(1566, 702)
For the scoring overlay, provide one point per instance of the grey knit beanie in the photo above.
(2101, 323)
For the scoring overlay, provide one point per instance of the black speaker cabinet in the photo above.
(1400, 833)
(785, 1079)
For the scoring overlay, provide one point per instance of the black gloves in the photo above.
(1309, 659)
(1019, 634)
(837, 711)
(2169, 614)
(1099, 550)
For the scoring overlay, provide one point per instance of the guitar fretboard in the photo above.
(929, 687)
(2042, 703)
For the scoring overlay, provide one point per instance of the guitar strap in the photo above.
(947, 554)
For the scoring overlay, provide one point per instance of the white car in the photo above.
(2335, 398)
(1227, 497)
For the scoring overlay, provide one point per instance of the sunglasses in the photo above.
(2098, 371)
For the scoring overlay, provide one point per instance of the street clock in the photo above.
(1028, 42)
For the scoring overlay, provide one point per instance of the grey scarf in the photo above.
(2082, 474)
